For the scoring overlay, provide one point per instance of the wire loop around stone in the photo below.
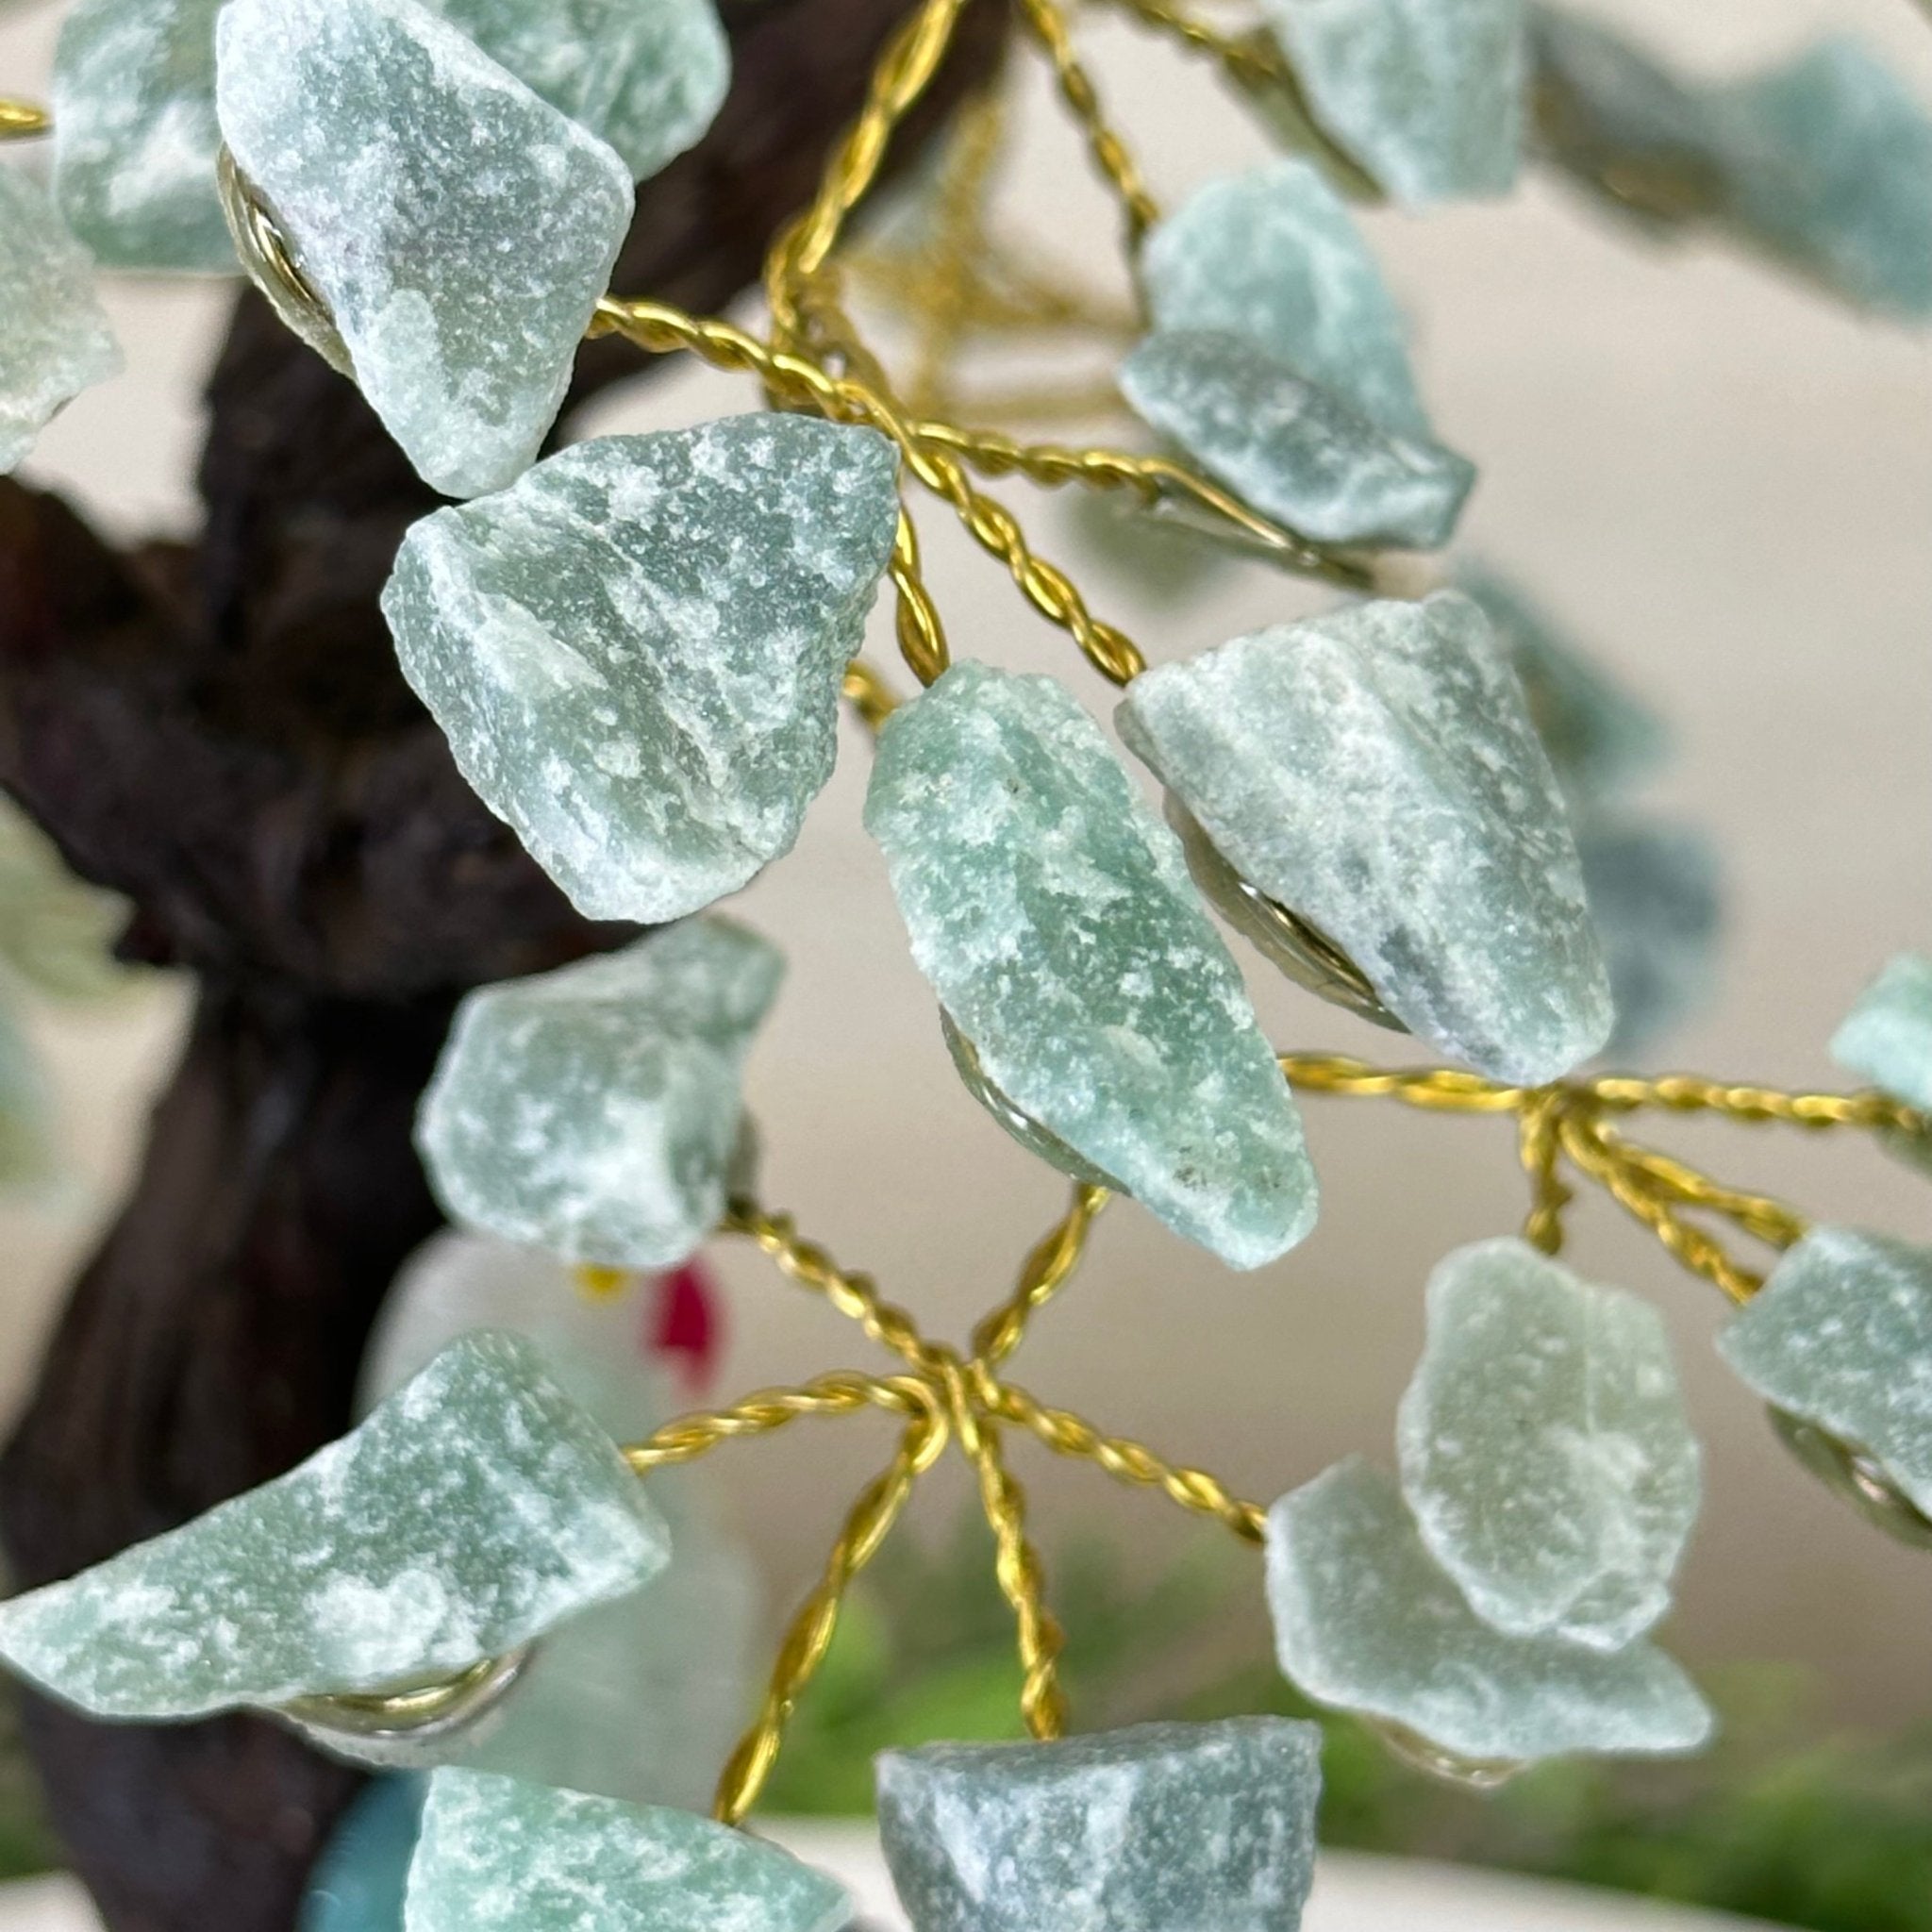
(270, 262)
(1856, 1478)
(418, 1713)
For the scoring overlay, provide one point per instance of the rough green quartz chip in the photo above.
(1887, 1037)
(134, 136)
(1053, 914)
(55, 341)
(1365, 1621)
(1831, 165)
(1545, 1452)
(1842, 1336)
(458, 230)
(636, 650)
(1655, 897)
(1162, 1827)
(1428, 98)
(469, 1513)
(1292, 449)
(594, 1110)
(497, 1854)
(1374, 770)
(1272, 255)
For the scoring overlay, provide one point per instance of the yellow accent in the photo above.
(601, 1284)
(22, 120)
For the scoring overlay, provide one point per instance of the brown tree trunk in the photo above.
(219, 733)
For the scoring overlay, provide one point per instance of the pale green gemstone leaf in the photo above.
(1272, 255)
(1545, 1452)
(1374, 770)
(636, 650)
(1840, 1334)
(1160, 1827)
(641, 1699)
(1291, 448)
(458, 230)
(1053, 914)
(594, 1110)
(55, 341)
(1428, 98)
(134, 136)
(471, 1512)
(1365, 1621)
(1655, 897)
(1887, 1037)
(498, 1855)
(1831, 165)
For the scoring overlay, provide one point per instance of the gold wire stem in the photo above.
(1111, 158)
(1072, 1436)
(1761, 1216)
(916, 621)
(866, 1526)
(841, 1391)
(23, 121)
(1539, 1148)
(1694, 1093)
(869, 694)
(1043, 1273)
(1434, 1089)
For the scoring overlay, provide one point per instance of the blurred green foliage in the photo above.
(1780, 1821)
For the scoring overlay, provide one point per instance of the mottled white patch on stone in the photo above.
(1209, 1827)
(468, 1514)
(1374, 770)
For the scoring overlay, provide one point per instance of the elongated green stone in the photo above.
(1887, 1037)
(1366, 1622)
(1656, 898)
(1053, 914)
(458, 230)
(1545, 1452)
(498, 1855)
(1842, 1336)
(641, 1699)
(135, 134)
(1428, 98)
(1272, 255)
(1292, 449)
(1374, 770)
(469, 1513)
(636, 650)
(594, 1110)
(55, 341)
(1160, 1827)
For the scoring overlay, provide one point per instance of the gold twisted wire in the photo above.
(1694, 1093)
(23, 119)
(1539, 1148)
(809, 1634)
(1434, 1089)
(1762, 1216)
(869, 694)
(1043, 1273)
(841, 1391)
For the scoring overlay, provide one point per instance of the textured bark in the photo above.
(219, 732)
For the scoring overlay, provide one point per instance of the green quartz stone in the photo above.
(1656, 898)
(1272, 255)
(1428, 98)
(1365, 1621)
(1545, 1452)
(356, 1884)
(1293, 450)
(471, 1512)
(1161, 1828)
(498, 1855)
(1600, 735)
(459, 231)
(594, 1110)
(1887, 1037)
(55, 341)
(1053, 914)
(134, 136)
(1374, 770)
(1831, 167)
(641, 1699)
(636, 650)
(1842, 1336)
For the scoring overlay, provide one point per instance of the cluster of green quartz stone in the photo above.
(636, 648)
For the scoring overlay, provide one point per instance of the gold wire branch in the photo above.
(23, 119)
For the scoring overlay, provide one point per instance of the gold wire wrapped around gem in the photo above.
(271, 266)
(1446, 1767)
(1855, 1477)
(413, 1713)
(1301, 950)
(1030, 1133)
(23, 121)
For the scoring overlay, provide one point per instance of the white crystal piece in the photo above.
(458, 230)
(1545, 1452)
(1365, 1621)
